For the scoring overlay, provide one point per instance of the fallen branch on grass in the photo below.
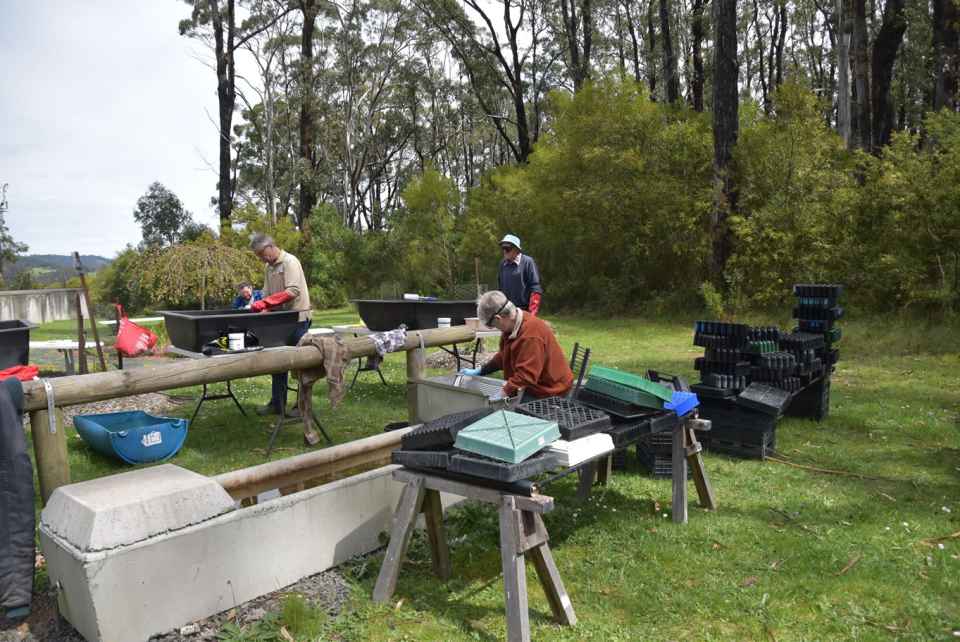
(828, 471)
(930, 541)
(853, 562)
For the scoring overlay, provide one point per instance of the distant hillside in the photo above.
(47, 268)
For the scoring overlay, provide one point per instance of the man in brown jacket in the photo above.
(530, 357)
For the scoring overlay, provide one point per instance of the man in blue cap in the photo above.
(519, 277)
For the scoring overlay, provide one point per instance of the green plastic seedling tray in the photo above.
(631, 380)
(507, 436)
(624, 393)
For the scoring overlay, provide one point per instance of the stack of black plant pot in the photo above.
(751, 376)
(817, 313)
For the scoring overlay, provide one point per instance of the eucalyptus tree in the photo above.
(217, 24)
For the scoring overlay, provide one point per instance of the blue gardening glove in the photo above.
(470, 372)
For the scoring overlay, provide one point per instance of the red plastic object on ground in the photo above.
(23, 373)
(132, 339)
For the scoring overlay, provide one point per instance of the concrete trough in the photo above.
(144, 552)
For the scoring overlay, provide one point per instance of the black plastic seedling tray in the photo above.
(819, 290)
(421, 458)
(766, 399)
(819, 326)
(664, 421)
(801, 341)
(677, 382)
(626, 433)
(479, 466)
(704, 391)
(659, 443)
(610, 405)
(441, 432)
(191, 329)
(574, 419)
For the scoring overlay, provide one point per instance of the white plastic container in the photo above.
(235, 341)
(443, 322)
(411, 297)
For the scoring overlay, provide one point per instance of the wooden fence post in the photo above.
(81, 339)
(416, 370)
(50, 449)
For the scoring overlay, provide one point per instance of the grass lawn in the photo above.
(791, 554)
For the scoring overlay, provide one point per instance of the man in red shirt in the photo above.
(530, 357)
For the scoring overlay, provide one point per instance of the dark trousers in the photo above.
(278, 392)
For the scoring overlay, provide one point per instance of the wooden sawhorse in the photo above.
(685, 451)
(522, 533)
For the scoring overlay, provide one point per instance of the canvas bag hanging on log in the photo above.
(132, 339)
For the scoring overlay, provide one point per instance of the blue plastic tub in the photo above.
(134, 436)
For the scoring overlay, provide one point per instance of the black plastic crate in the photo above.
(764, 333)
(731, 382)
(734, 368)
(611, 405)
(777, 361)
(703, 391)
(441, 432)
(726, 416)
(723, 355)
(809, 312)
(719, 444)
(813, 402)
(766, 399)
(15, 343)
(819, 326)
(801, 341)
(829, 291)
(421, 458)
(487, 468)
(658, 465)
(574, 419)
(660, 443)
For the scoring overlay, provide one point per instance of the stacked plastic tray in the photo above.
(817, 313)
(655, 455)
(628, 387)
(574, 419)
(725, 365)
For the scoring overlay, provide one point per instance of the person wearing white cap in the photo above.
(519, 277)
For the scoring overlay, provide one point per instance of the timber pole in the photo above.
(50, 448)
(416, 370)
(98, 386)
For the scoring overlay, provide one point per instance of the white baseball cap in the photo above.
(512, 240)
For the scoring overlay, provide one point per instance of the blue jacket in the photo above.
(239, 303)
(518, 282)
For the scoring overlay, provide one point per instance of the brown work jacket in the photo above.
(533, 360)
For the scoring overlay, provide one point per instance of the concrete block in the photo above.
(130, 592)
(122, 509)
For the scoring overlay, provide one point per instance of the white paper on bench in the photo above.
(571, 453)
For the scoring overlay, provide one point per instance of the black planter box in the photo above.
(14, 343)
(380, 315)
(190, 329)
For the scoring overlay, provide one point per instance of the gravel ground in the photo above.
(155, 403)
(327, 590)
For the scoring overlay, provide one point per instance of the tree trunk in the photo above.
(224, 33)
(579, 55)
(861, 71)
(670, 75)
(946, 47)
(843, 73)
(651, 52)
(696, 30)
(634, 42)
(308, 129)
(725, 128)
(884, 56)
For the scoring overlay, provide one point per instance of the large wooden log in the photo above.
(122, 383)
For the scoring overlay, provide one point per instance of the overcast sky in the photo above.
(98, 99)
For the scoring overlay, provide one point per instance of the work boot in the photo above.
(266, 410)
